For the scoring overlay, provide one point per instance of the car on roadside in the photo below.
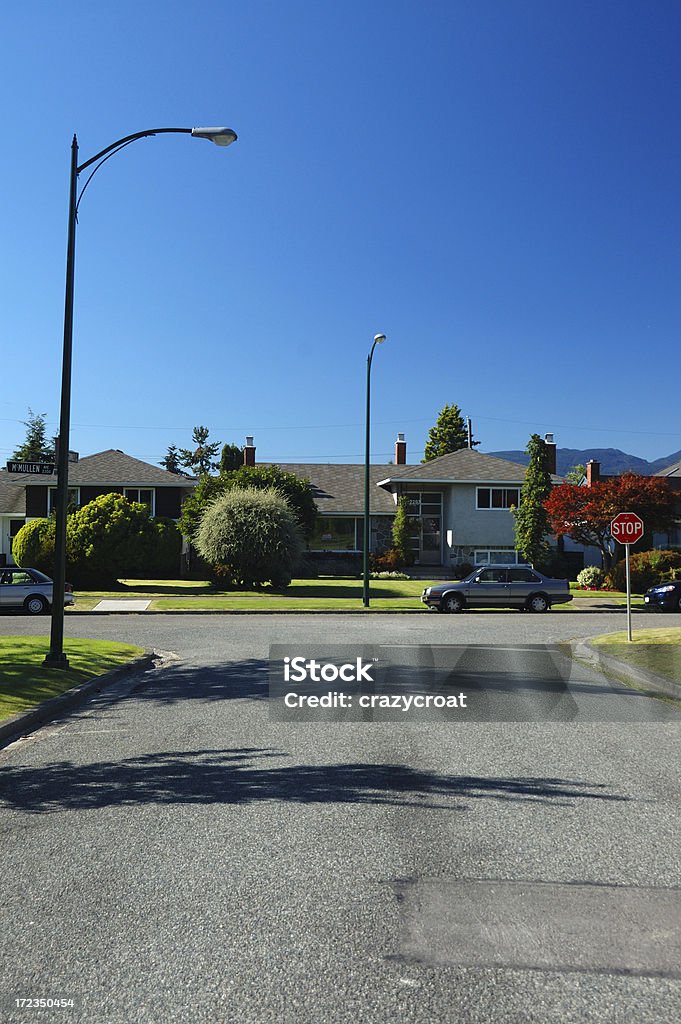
(664, 596)
(29, 589)
(499, 586)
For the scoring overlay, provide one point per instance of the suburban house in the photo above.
(460, 504)
(26, 496)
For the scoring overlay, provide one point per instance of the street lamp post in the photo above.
(221, 137)
(378, 340)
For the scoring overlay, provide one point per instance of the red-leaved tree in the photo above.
(584, 513)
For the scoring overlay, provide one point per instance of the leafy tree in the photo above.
(231, 457)
(172, 462)
(531, 518)
(575, 474)
(450, 434)
(200, 460)
(250, 537)
(36, 447)
(401, 533)
(196, 503)
(297, 490)
(584, 513)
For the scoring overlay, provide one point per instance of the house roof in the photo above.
(111, 468)
(673, 470)
(12, 494)
(339, 487)
(464, 466)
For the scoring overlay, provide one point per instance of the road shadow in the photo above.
(240, 776)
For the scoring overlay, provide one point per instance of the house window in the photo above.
(495, 556)
(73, 500)
(141, 496)
(336, 533)
(498, 497)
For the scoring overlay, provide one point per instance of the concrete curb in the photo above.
(583, 650)
(31, 719)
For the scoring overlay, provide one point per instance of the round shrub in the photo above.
(33, 546)
(647, 569)
(108, 538)
(591, 578)
(251, 537)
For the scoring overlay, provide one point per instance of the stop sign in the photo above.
(627, 527)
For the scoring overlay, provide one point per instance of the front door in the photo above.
(425, 512)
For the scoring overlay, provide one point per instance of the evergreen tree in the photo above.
(531, 519)
(232, 457)
(172, 461)
(36, 447)
(450, 434)
(401, 534)
(200, 461)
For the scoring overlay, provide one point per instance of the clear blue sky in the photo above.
(495, 184)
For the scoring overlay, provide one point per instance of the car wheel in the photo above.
(538, 603)
(35, 605)
(678, 605)
(452, 603)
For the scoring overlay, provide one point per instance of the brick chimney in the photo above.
(400, 451)
(249, 452)
(550, 453)
(593, 472)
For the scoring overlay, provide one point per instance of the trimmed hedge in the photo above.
(107, 539)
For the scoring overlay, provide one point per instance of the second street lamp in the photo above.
(378, 340)
(221, 137)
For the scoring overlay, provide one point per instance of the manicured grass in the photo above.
(322, 594)
(654, 650)
(24, 682)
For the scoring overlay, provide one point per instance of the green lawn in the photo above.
(654, 650)
(322, 594)
(325, 593)
(24, 682)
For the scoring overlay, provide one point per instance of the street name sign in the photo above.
(39, 468)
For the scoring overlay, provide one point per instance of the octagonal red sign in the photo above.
(627, 527)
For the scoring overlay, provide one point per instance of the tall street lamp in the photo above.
(378, 340)
(221, 137)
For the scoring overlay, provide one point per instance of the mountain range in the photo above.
(612, 460)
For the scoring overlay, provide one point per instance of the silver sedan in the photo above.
(499, 586)
(29, 589)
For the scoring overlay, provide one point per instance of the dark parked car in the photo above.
(29, 589)
(499, 586)
(664, 595)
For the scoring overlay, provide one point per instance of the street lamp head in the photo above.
(379, 339)
(220, 136)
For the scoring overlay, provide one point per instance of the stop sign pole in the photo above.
(627, 529)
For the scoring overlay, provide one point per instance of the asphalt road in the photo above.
(171, 853)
